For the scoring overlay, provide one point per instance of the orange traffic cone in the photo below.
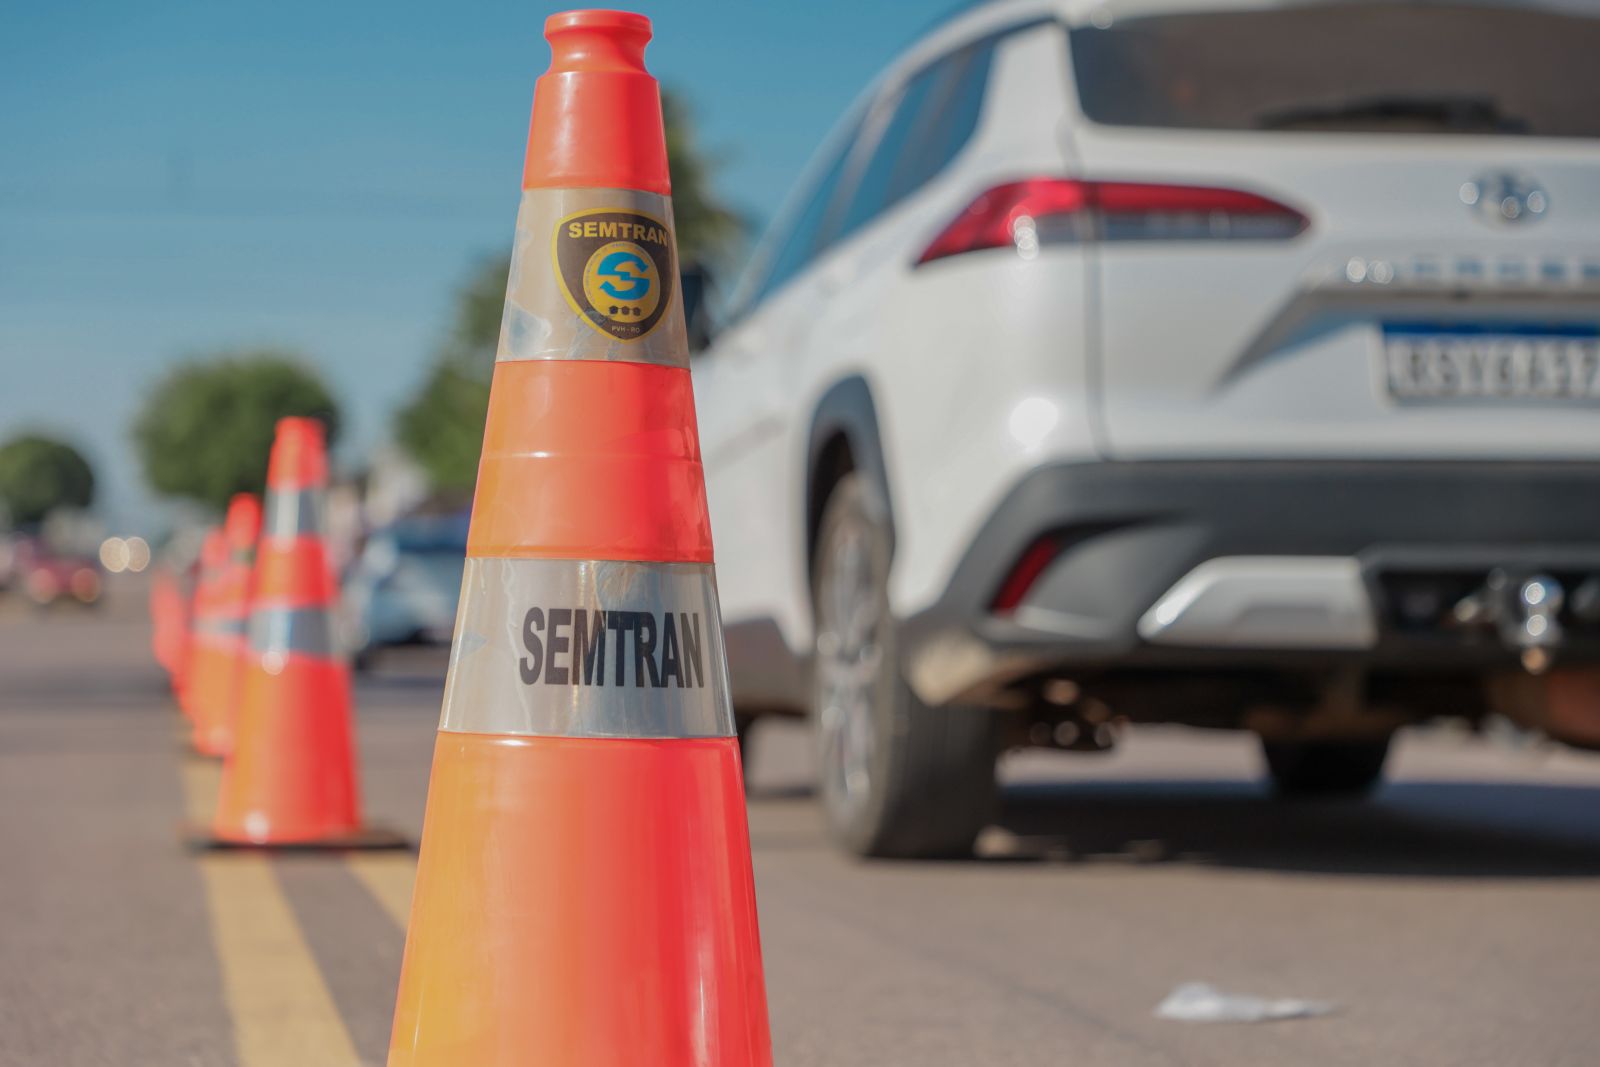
(167, 623)
(184, 582)
(584, 893)
(207, 631)
(218, 702)
(290, 779)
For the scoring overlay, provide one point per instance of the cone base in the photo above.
(583, 903)
(293, 776)
(364, 839)
(184, 736)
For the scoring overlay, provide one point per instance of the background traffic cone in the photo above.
(206, 636)
(291, 777)
(168, 626)
(218, 633)
(584, 893)
(218, 705)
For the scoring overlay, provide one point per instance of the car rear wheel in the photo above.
(1325, 768)
(896, 777)
(742, 725)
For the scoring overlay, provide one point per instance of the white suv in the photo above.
(1231, 364)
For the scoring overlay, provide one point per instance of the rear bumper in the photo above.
(1355, 554)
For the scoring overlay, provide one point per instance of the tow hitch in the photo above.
(1525, 611)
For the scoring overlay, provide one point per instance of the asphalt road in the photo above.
(1454, 919)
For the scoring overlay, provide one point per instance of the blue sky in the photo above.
(181, 177)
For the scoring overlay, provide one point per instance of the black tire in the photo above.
(742, 725)
(929, 782)
(1325, 768)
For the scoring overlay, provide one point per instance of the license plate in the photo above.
(1424, 363)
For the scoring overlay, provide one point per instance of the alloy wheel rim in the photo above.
(849, 658)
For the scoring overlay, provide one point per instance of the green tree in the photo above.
(39, 474)
(206, 429)
(441, 428)
(707, 228)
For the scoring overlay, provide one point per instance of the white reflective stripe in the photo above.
(581, 648)
(302, 631)
(539, 322)
(220, 625)
(292, 513)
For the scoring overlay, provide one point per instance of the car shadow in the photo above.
(407, 667)
(401, 680)
(1444, 829)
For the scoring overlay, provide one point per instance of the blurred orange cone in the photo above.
(584, 893)
(290, 779)
(207, 631)
(168, 626)
(217, 703)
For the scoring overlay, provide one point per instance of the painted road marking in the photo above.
(389, 879)
(282, 1011)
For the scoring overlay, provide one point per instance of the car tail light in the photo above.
(1025, 214)
(994, 219)
(43, 587)
(1024, 573)
(85, 584)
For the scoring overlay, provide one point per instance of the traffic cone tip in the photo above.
(597, 111)
(299, 455)
(242, 523)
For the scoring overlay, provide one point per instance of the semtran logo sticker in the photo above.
(616, 269)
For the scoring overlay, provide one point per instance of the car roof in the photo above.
(985, 17)
(993, 14)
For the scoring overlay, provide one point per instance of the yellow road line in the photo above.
(283, 1014)
(282, 1011)
(389, 879)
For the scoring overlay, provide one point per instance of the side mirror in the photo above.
(697, 285)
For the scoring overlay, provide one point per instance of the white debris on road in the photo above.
(1197, 1002)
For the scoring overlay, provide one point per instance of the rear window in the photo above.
(933, 119)
(1366, 67)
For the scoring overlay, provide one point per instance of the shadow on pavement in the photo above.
(407, 667)
(1445, 829)
(401, 680)
(774, 794)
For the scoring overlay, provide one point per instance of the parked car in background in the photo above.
(403, 587)
(8, 560)
(48, 577)
(1233, 364)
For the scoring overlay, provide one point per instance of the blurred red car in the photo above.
(47, 577)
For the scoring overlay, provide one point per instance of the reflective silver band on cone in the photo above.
(588, 648)
(296, 631)
(292, 513)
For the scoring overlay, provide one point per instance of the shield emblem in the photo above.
(616, 270)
